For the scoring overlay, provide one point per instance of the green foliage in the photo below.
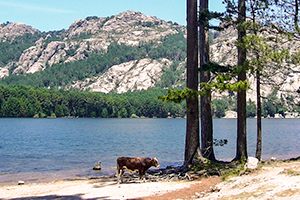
(220, 142)
(251, 109)
(272, 105)
(92, 18)
(172, 47)
(24, 101)
(171, 76)
(206, 15)
(223, 169)
(178, 96)
(219, 107)
(12, 49)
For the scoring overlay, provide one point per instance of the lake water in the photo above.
(36, 149)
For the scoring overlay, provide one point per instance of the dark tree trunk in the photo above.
(258, 111)
(296, 17)
(206, 114)
(192, 143)
(241, 148)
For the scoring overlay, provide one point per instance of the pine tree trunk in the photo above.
(241, 148)
(296, 17)
(258, 110)
(206, 114)
(192, 143)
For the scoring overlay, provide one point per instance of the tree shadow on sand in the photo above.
(58, 197)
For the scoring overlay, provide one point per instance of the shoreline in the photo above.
(81, 174)
(273, 180)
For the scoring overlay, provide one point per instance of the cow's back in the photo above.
(133, 163)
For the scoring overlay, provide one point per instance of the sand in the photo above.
(87, 189)
(276, 181)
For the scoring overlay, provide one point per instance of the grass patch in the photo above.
(288, 193)
(291, 172)
(258, 193)
(245, 195)
(222, 169)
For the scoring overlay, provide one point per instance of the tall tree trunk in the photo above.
(258, 110)
(206, 114)
(192, 142)
(241, 148)
(296, 17)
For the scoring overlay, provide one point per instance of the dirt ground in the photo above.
(277, 180)
(195, 190)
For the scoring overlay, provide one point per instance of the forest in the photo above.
(39, 102)
(24, 101)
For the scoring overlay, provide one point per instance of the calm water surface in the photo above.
(70, 147)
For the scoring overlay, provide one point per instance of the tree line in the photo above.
(25, 101)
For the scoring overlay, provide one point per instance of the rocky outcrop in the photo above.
(85, 36)
(133, 28)
(90, 25)
(4, 72)
(35, 58)
(130, 76)
(12, 30)
(230, 114)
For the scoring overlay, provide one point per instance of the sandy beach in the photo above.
(279, 180)
(92, 189)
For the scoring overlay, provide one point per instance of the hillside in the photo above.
(93, 45)
(131, 52)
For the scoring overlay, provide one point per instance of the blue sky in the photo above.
(48, 15)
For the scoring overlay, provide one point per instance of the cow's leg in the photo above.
(140, 174)
(118, 173)
(121, 174)
(144, 176)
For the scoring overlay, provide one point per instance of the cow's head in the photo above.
(155, 162)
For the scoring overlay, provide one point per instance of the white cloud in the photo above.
(31, 7)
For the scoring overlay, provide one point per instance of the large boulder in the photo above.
(252, 163)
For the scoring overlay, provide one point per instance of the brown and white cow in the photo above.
(135, 164)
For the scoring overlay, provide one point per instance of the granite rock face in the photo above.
(130, 76)
(12, 30)
(87, 35)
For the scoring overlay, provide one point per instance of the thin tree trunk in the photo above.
(296, 17)
(258, 110)
(192, 143)
(241, 148)
(206, 114)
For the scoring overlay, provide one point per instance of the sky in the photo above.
(50, 15)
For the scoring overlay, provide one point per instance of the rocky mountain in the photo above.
(87, 35)
(12, 30)
(155, 50)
